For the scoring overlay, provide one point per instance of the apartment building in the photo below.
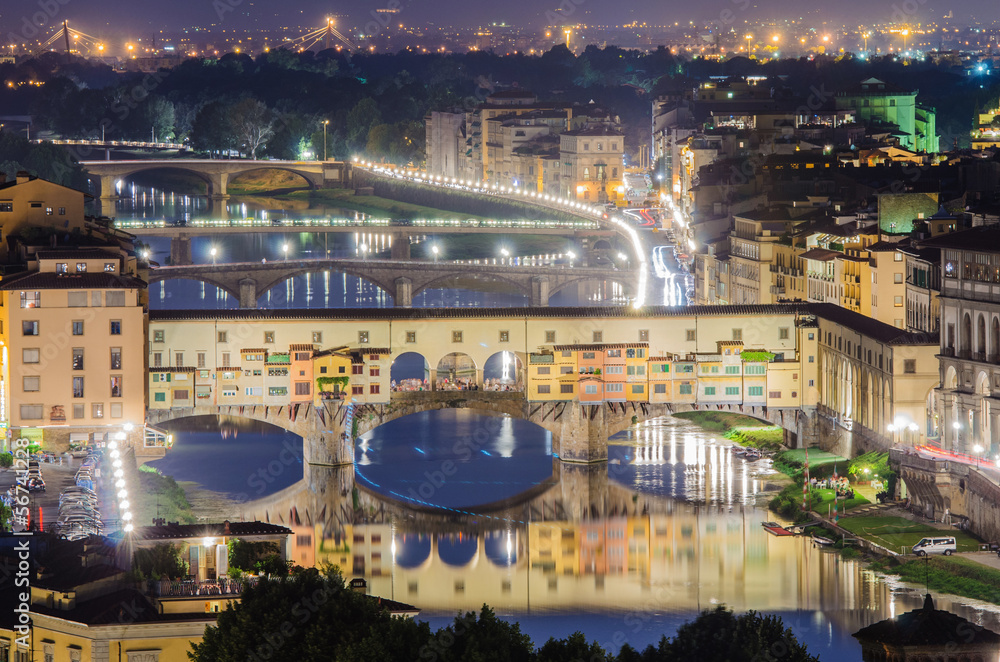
(76, 334)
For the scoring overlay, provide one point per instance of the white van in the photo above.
(943, 545)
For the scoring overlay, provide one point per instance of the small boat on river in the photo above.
(822, 542)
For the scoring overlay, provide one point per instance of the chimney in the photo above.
(23, 177)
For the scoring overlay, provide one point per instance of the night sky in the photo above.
(117, 17)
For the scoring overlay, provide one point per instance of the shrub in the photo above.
(6, 460)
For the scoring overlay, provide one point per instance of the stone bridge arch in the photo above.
(156, 276)
(263, 286)
(590, 278)
(459, 274)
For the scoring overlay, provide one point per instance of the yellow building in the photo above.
(28, 201)
(76, 353)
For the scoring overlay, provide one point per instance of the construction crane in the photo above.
(328, 35)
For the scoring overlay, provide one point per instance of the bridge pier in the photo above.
(217, 206)
(400, 247)
(539, 291)
(248, 293)
(109, 195)
(403, 296)
(180, 250)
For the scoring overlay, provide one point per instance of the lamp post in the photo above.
(958, 434)
(572, 256)
(506, 255)
(748, 38)
(214, 252)
(435, 250)
(284, 250)
(892, 432)
(325, 123)
(913, 427)
(977, 449)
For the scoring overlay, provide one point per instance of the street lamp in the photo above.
(958, 434)
(748, 38)
(284, 249)
(977, 449)
(572, 256)
(913, 427)
(325, 123)
(905, 33)
(214, 252)
(435, 250)
(505, 253)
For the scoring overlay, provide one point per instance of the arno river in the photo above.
(624, 551)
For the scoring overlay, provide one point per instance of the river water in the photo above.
(449, 509)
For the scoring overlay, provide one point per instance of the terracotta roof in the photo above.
(253, 350)
(301, 348)
(125, 606)
(77, 254)
(821, 254)
(598, 347)
(174, 369)
(985, 238)
(927, 626)
(86, 281)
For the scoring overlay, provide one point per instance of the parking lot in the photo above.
(59, 475)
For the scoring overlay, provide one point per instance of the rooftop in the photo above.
(49, 280)
(175, 531)
(984, 238)
(927, 626)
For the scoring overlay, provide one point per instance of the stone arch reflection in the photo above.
(458, 550)
(500, 547)
(413, 550)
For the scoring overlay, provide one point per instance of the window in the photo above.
(590, 389)
(159, 397)
(29, 355)
(269, 337)
(709, 390)
(638, 388)
(114, 299)
(29, 328)
(109, 267)
(643, 335)
(116, 327)
(783, 333)
(909, 366)
(362, 337)
(565, 370)
(897, 257)
(732, 390)
(756, 370)
(254, 391)
(737, 334)
(303, 388)
(277, 391)
(565, 388)
(505, 336)
(116, 358)
(77, 358)
(550, 336)
(598, 336)
(659, 388)
(774, 394)
(588, 356)
(544, 370)
(32, 299)
(222, 336)
(374, 372)
(116, 410)
(544, 388)
(31, 383)
(732, 370)
(201, 359)
(97, 410)
(812, 336)
(6, 206)
(755, 391)
(614, 353)
(411, 336)
(685, 389)
(690, 335)
(357, 370)
(62, 211)
(157, 359)
(61, 268)
(116, 386)
(77, 327)
(31, 412)
(456, 336)
(158, 336)
(357, 390)
(81, 267)
(897, 302)
(48, 211)
(374, 389)
(77, 300)
(179, 359)
(897, 278)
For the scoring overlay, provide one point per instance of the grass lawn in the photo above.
(898, 532)
(948, 575)
(823, 498)
(160, 496)
(821, 463)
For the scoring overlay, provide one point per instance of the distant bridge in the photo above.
(216, 174)
(246, 281)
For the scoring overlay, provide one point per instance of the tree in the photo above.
(251, 123)
(571, 649)
(360, 121)
(721, 636)
(162, 560)
(308, 617)
(211, 130)
(483, 638)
